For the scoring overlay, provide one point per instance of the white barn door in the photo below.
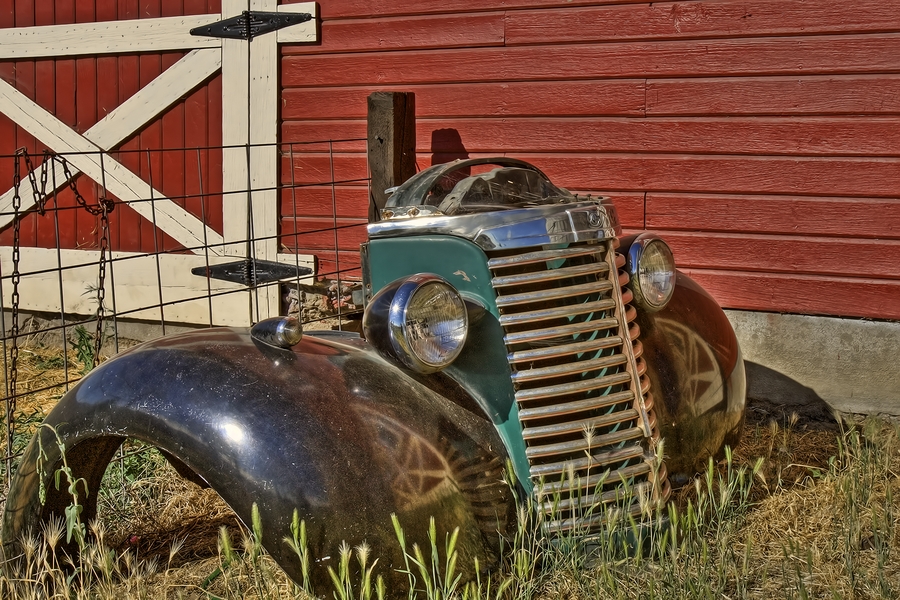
(249, 116)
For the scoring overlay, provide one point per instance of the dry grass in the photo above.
(815, 521)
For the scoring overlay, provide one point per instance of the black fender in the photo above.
(696, 377)
(696, 373)
(328, 429)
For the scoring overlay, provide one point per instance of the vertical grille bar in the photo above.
(582, 395)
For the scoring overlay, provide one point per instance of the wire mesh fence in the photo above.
(102, 250)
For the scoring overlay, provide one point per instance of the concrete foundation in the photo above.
(821, 364)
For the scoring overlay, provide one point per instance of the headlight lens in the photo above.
(421, 321)
(435, 324)
(651, 267)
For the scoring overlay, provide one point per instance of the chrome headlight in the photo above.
(420, 320)
(651, 268)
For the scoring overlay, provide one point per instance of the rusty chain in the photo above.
(39, 190)
(101, 277)
(14, 331)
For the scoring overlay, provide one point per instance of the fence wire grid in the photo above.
(91, 265)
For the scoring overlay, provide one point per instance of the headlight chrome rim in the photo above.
(425, 342)
(646, 248)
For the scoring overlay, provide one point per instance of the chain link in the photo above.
(14, 332)
(104, 205)
(102, 209)
(101, 277)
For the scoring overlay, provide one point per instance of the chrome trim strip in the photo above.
(521, 356)
(552, 391)
(569, 368)
(581, 445)
(553, 313)
(606, 477)
(556, 410)
(528, 258)
(550, 275)
(571, 329)
(612, 456)
(530, 433)
(592, 500)
(552, 294)
(580, 221)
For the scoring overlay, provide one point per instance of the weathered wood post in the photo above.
(391, 144)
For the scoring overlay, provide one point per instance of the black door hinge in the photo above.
(251, 272)
(250, 23)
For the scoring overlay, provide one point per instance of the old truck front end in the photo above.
(506, 322)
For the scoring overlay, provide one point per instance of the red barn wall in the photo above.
(759, 138)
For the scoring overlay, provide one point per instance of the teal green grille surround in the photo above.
(583, 400)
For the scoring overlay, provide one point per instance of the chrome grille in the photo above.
(583, 399)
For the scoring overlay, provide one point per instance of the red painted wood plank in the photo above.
(661, 20)
(812, 136)
(877, 259)
(858, 177)
(851, 94)
(128, 221)
(328, 268)
(128, 9)
(317, 236)
(316, 168)
(171, 8)
(629, 206)
(65, 11)
(803, 294)
(196, 7)
(44, 13)
(574, 98)
(45, 96)
(85, 93)
(7, 127)
(876, 53)
(107, 101)
(24, 80)
(196, 161)
(386, 33)
(65, 112)
(372, 8)
(818, 136)
(171, 182)
(842, 217)
(88, 229)
(213, 190)
(150, 141)
(348, 202)
(107, 10)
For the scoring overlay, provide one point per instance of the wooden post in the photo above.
(392, 144)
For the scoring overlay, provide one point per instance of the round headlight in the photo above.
(425, 325)
(432, 325)
(651, 267)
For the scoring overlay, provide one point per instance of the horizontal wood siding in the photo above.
(81, 91)
(759, 137)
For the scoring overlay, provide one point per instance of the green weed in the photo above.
(715, 540)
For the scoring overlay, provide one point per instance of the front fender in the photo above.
(696, 377)
(328, 429)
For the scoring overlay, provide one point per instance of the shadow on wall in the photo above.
(776, 395)
(447, 145)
